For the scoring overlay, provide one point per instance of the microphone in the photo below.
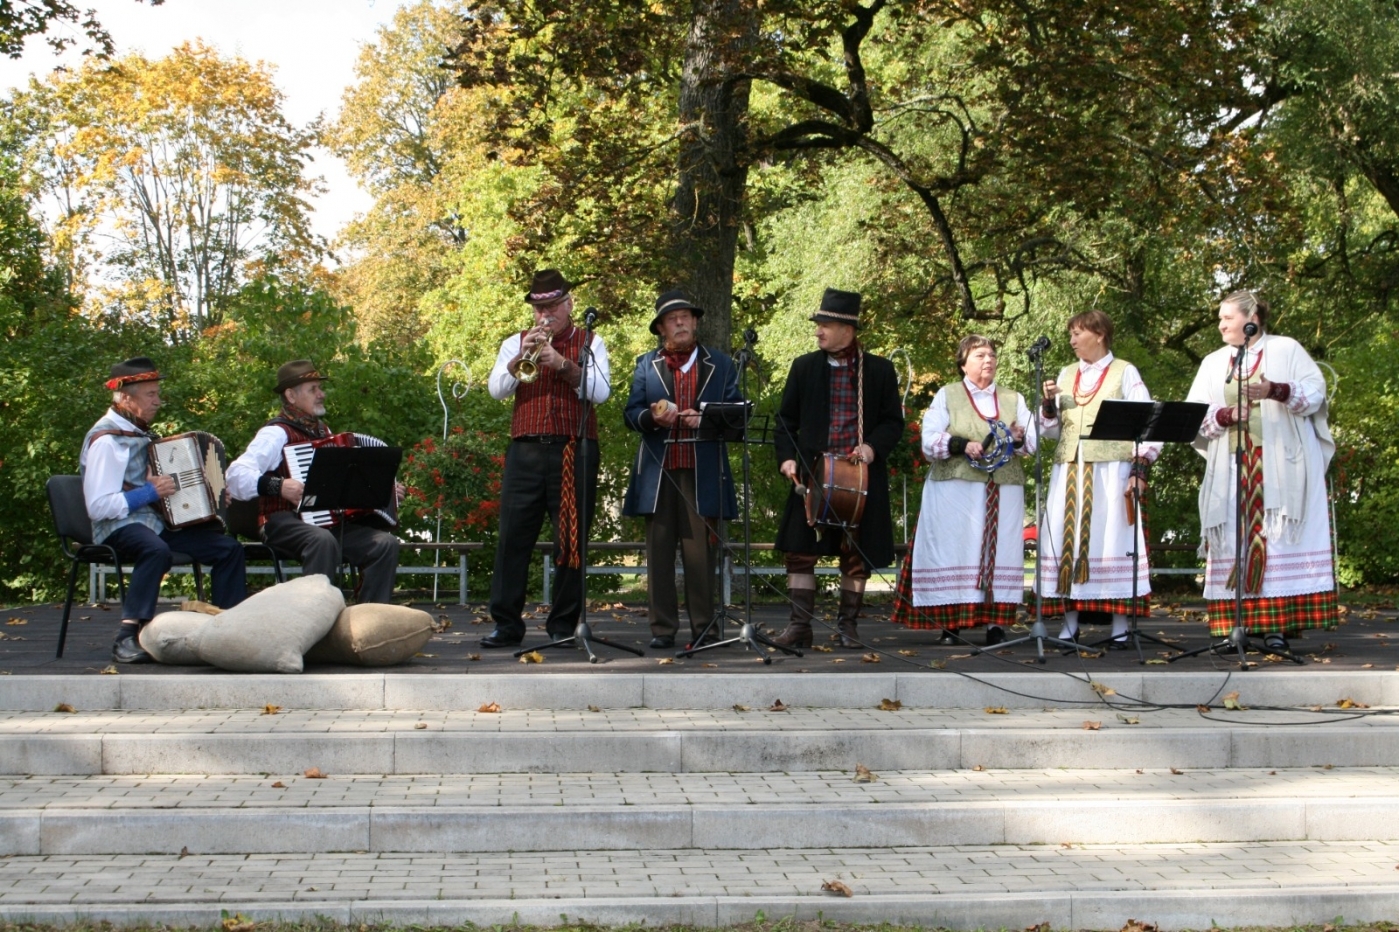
(750, 336)
(590, 317)
(1250, 330)
(1037, 347)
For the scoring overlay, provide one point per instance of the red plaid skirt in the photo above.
(946, 617)
(1285, 615)
(1055, 607)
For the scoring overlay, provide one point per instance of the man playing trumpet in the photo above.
(547, 371)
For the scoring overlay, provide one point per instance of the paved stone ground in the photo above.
(1367, 638)
(985, 870)
(657, 789)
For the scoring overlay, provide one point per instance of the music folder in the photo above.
(724, 420)
(341, 478)
(1148, 421)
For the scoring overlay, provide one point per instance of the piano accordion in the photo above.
(196, 461)
(298, 456)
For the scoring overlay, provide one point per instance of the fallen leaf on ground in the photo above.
(1102, 689)
(314, 773)
(1092, 726)
(890, 705)
(184, 852)
(420, 726)
(1177, 772)
(835, 886)
(777, 706)
(64, 707)
(908, 653)
(997, 710)
(822, 648)
(473, 656)
(109, 670)
(533, 656)
(443, 623)
(1156, 660)
(1128, 719)
(1202, 708)
(1135, 926)
(14, 622)
(279, 785)
(709, 666)
(1231, 701)
(864, 775)
(1349, 703)
(491, 708)
(593, 708)
(978, 768)
(869, 658)
(838, 660)
(666, 661)
(740, 707)
(959, 657)
(238, 923)
(270, 709)
(1039, 927)
(421, 654)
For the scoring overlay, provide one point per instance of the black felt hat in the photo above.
(293, 373)
(839, 307)
(136, 369)
(547, 286)
(673, 300)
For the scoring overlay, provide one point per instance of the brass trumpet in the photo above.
(528, 368)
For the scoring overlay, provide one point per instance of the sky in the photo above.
(311, 44)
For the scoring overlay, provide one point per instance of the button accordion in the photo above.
(196, 462)
(298, 456)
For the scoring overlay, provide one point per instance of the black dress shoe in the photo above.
(129, 650)
(560, 634)
(1119, 643)
(947, 637)
(662, 642)
(499, 638)
(995, 634)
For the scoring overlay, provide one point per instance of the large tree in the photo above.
(168, 182)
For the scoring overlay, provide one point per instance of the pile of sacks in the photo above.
(280, 629)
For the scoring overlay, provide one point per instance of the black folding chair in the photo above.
(242, 524)
(74, 529)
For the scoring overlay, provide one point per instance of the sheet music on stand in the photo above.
(732, 421)
(1148, 421)
(341, 478)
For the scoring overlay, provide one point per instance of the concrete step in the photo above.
(687, 741)
(1002, 886)
(541, 687)
(258, 815)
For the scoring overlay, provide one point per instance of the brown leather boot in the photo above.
(798, 631)
(850, 602)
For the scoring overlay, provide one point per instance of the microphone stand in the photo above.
(749, 634)
(582, 637)
(1238, 639)
(1038, 633)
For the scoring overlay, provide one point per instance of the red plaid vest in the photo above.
(267, 504)
(549, 406)
(845, 399)
(682, 455)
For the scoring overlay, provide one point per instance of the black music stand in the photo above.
(734, 421)
(1144, 422)
(341, 478)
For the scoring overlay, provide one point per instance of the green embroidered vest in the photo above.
(967, 422)
(1255, 414)
(1075, 420)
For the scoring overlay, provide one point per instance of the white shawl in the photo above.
(1297, 444)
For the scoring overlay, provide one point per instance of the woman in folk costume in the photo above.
(967, 565)
(1088, 535)
(1287, 575)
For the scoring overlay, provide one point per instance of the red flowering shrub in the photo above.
(458, 479)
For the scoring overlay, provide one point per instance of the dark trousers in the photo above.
(677, 522)
(530, 488)
(148, 554)
(319, 550)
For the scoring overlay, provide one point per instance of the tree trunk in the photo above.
(711, 176)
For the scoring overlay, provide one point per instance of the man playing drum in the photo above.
(844, 401)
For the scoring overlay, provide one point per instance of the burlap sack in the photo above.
(373, 635)
(271, 631)
(169, 637)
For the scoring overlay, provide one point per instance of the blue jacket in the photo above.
(652, 381)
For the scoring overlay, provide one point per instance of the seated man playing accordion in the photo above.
(262, 472)
(121, 492)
